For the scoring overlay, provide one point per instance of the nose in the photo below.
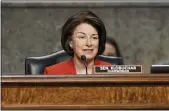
(89, 42)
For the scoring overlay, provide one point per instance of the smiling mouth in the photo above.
(88, 49)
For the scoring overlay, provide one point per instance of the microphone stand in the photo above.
(86, 67)
(83, 58)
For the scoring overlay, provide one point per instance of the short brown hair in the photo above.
(75, 20)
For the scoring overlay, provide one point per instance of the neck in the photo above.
(80, 67)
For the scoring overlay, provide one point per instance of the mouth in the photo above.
(88, 50)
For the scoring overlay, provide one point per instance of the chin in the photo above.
(90, 57)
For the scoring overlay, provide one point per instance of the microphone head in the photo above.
(83, 57)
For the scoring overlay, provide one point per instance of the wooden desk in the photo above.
(131, 91)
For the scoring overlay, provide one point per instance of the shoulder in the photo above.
(59, 65)
(58, 68)
(100, 62)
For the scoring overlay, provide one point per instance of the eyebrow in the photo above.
(85, 33)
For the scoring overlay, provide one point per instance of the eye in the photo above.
(81, 37)
(95, 37)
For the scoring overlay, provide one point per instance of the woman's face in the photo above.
(85, 41)
(109, 50)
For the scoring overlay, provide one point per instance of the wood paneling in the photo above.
(86, 92)
(86, 95)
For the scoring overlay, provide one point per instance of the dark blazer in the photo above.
(67, 67)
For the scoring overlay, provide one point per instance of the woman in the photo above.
(82, 34)
(111, 48)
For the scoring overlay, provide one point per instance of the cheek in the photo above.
(77, 44)
(96, 44)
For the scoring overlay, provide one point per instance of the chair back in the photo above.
(36, 65)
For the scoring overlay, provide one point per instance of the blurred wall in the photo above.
(142, 33)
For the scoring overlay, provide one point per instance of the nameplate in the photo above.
(116, 69)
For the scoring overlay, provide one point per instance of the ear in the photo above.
(71, 44)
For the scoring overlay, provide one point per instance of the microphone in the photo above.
(83, 58)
